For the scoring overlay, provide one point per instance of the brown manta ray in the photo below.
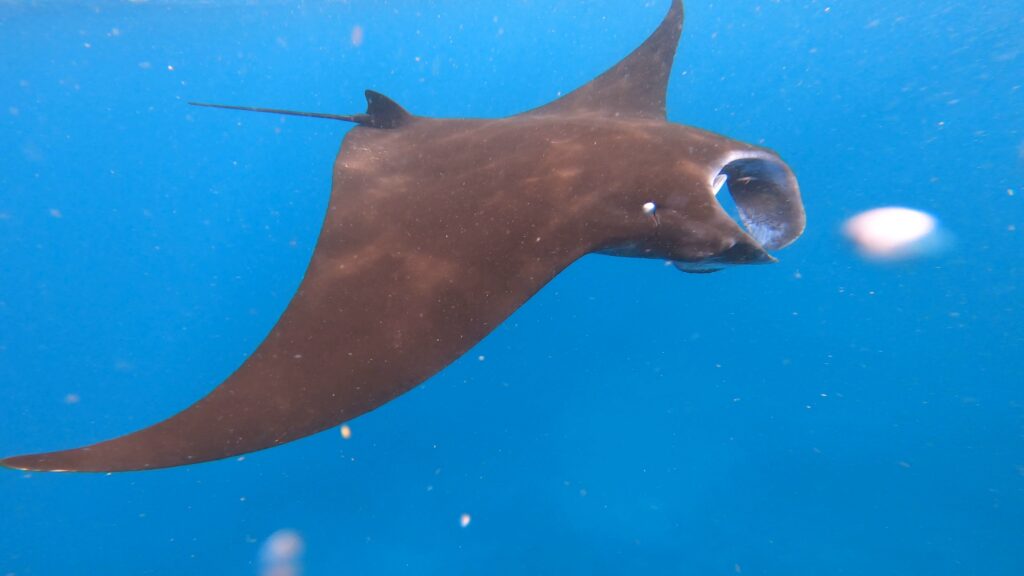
(438, 229)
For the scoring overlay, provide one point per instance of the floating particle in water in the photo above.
(894, 233)
(464, 520)
(346, 432)
(284, 544)
(72, 398)
(357, 36)
(121, 365)
(281, 554)
(56, 213)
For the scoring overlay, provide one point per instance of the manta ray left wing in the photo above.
(406, 277)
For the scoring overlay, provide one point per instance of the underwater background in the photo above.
(824, 415)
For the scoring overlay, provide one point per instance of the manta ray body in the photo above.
(438, 229)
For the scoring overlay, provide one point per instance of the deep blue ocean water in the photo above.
(825, 415)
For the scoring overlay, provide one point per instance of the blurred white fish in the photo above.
(895, 233)
(281, 554)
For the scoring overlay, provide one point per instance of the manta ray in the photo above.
(438, 229)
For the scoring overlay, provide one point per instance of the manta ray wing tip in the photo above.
(16, 463)
(36, 463)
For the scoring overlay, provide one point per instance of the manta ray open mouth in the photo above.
(766, 195)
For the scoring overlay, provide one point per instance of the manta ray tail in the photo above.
(381, 112)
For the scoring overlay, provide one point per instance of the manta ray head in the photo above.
(680, 213)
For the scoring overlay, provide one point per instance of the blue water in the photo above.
(824, 415)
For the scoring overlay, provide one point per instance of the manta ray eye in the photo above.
(766, 195)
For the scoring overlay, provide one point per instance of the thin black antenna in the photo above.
(358, 118)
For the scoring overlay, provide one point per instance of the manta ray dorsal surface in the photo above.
(438, 229)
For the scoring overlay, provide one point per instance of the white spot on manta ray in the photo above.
(651, 210)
